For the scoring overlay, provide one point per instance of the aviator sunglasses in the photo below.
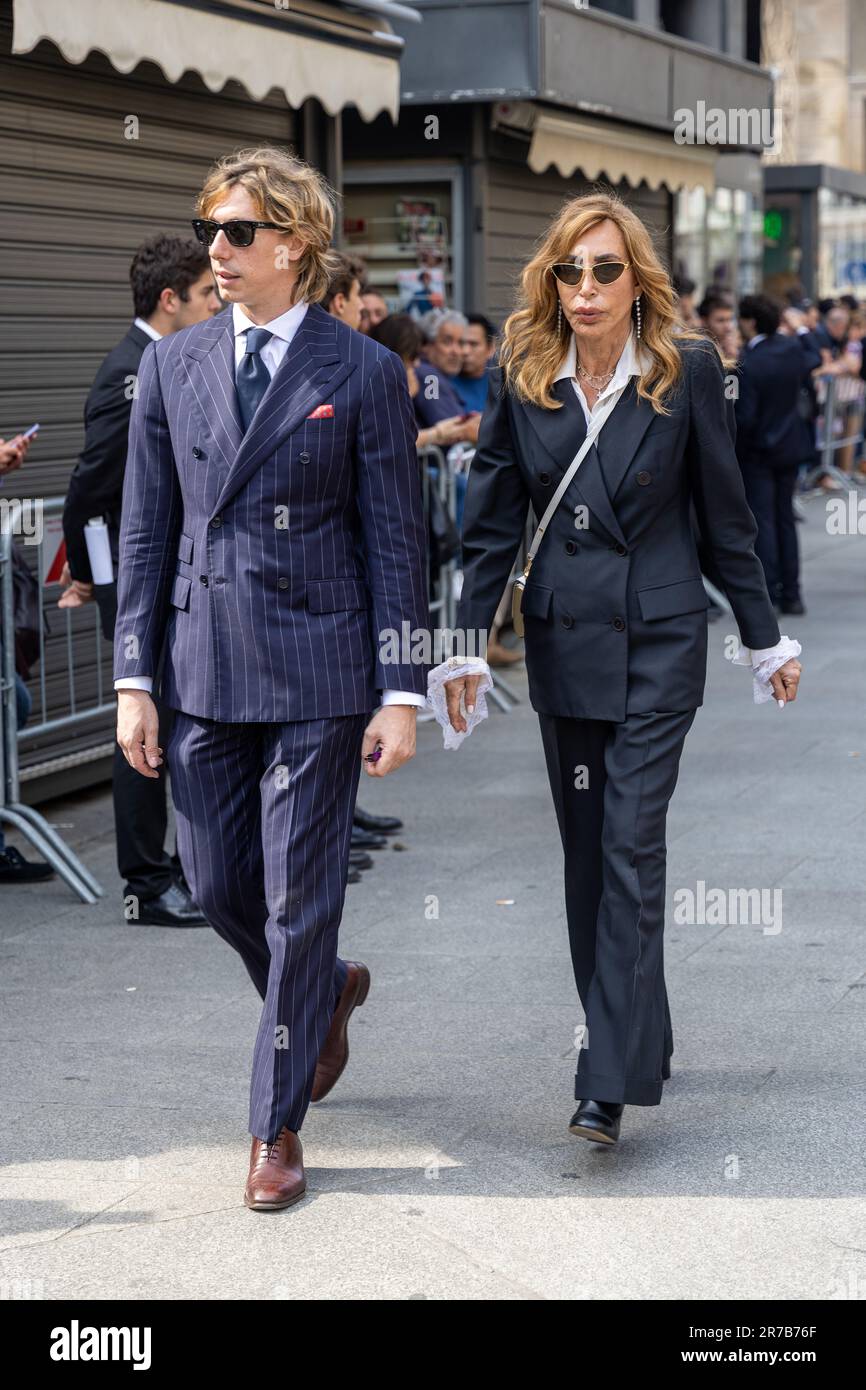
(603, 273)
(238, 232)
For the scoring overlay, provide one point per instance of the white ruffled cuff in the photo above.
(450, 670)
(765, 661)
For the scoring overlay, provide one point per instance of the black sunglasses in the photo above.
(238, 233)
(604, 273)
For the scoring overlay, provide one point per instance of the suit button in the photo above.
(304, 457)
(567, 620)
(619, 624)
(282, 582)
(216, 521)
(544, 478)
(620, 548)
(570, 547)
(202, 579)
(643, 477)
(197, 453)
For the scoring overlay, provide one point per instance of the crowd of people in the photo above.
(781, 356)
(785, 358)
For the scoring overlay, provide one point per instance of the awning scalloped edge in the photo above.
(128, 32)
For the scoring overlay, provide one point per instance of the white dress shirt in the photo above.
(632, 360)
(283, 328)
(147, 328)
(631, 363)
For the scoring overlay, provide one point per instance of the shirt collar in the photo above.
(146, 328)
(758, 338)
(283, 326)
(632, 361)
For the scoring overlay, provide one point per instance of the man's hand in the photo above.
(76, 592)
(393, 727)
(792, 319)
(467, 685)
(138, 730)
(786, 679)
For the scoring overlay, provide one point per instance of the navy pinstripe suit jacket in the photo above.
(271, 562)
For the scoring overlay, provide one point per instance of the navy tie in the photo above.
(253, 377)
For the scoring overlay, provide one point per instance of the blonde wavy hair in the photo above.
(532, 350)
(290, 192)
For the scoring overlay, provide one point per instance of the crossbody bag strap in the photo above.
(591, 435)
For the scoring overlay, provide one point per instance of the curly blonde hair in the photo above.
(532, 350)
(290, 192)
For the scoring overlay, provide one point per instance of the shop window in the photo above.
(403, 233)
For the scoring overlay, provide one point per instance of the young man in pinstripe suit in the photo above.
(272, 529)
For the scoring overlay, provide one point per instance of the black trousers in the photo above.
(611, 786)
(770, 494)
(140, 803)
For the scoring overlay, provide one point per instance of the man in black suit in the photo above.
(773, 438)
(172, 288)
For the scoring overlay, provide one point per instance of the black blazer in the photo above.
(615, 612)
(96, 485)
(770, 425)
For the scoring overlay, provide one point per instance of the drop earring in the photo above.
(637, 311)
(559, 320)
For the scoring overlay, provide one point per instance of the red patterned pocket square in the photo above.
(321, 412)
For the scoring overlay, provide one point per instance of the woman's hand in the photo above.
(13, 452)
(785, 680)
(462, 685)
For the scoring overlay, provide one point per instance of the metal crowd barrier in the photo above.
(437, 471)
(835, 395)
(437, 474)
(32, 825)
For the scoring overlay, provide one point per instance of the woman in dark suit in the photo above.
(614, 605)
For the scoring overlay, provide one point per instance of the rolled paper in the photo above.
(99, 550)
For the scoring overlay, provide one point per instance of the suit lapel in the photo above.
(562, 432)
(621, 437)
(311, 369)
(210, 367)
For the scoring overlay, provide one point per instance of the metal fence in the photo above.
(62, 688)
(839, 426)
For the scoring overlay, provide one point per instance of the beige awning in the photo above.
(616, 153)
(219, 47)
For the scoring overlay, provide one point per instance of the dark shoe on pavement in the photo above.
(380, 825)
(360, 861)
(354, 876)
(14, 868)
(597, 1120)
(365, 839)
(335, 1049)
(276, 1177)
(173, 908)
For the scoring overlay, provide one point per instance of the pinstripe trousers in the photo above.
(264, 824)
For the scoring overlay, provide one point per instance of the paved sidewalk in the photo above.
(441, 1166)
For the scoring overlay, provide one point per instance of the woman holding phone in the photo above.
(614, 606)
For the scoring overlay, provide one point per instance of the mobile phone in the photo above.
(28, 434)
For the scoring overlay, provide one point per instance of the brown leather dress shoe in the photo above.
(276, 1177)
(335, 1049)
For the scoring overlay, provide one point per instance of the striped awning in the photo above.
(305, 49)
(616, 153)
